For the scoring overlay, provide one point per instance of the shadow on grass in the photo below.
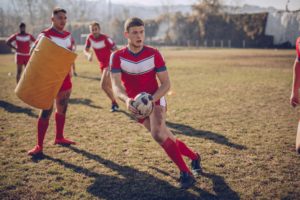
(89, 77)
(190, 131)
(220, 187)
(83, 101)
(127, 183)
(208, 135)
(11, 108)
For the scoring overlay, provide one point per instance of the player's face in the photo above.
(59, 20)
(136, 36)
(22, 29)
(95, 30)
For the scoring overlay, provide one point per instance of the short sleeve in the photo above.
(159, 62)
(114, 63)
(12, 38)
(38, 38)
(87, 43)
(110, 43)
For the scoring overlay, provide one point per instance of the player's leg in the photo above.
(167, 140)
(74, 69)
(19, 72)
(42, 126)
(106, 86)
(60, 116)
(298, 139)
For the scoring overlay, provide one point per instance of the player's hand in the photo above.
(90, 57)
(132, 109)
(294, 101)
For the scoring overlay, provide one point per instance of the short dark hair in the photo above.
(58, 10)
(131, 22)
(95, 24)
(22, 24)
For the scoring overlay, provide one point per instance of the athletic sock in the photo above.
(42, 127)
(60, 123)
(173, 152)
(185, 150)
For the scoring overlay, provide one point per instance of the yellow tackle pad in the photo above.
(44, 74)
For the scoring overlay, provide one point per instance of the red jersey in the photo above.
(298, 48)
(63, 39)
(21, 42)
(102, 46)
(138, 71)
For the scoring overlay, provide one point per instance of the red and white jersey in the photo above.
(102, 45)
(63, 39)
(298, 48)
(21, 42)
(138, 71)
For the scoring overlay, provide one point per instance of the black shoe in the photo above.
(196, 166)
(75, 74)
(114, 108)
(186, 180)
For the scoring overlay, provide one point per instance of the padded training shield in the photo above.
(44, 74)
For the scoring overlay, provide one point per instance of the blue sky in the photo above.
(279, 4)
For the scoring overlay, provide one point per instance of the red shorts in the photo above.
(161, 102)
(103, 66)
(67, 84)
(22, 59)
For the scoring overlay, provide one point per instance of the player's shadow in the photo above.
(127, 182)
(190, 131)
(11, 108)
(220, 187)
(89, 77)
(83, 101)
(208, 135)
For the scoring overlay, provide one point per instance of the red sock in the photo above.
(114, 102)
(42, 127)
(60, 123)
(173, 152)
(186, 151)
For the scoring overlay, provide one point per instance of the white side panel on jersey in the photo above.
(23, 38)
(140, 67)
(98, 44)
(63, 42)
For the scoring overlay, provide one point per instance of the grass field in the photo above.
(232, 106)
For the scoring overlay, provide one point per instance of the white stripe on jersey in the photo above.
(63, 42)
(140, 67)
(97, 44)
(22, 38)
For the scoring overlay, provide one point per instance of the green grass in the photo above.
(231, 105)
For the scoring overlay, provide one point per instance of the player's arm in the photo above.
(88, 53)
(120, 92)
(9, 42)
(296, 84)
(165, 85)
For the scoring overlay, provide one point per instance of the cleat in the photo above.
(186, 180)
(114, 108)
(37, 150)
(196, 166)
(64, 141)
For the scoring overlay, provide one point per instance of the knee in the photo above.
(157, 135)
(45, 114)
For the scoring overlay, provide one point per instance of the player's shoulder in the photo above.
(120, 52)
(151, 49)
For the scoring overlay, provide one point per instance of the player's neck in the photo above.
(57, 29)
(135, 49)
